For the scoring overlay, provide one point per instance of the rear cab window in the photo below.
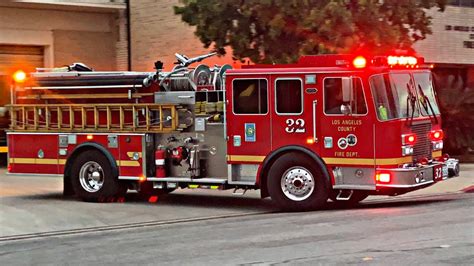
(289, 96)
(250, 96)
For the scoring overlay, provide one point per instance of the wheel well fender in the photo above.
(87, 146)
(270, 159)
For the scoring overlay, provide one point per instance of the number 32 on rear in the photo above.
(295, 126)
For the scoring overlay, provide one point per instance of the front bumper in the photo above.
(419, 176)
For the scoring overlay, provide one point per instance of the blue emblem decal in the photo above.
(250, 132)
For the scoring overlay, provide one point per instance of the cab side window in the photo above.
(289, 96)
(250, 96)
(333, 99)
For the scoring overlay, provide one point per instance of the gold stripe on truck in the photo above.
(128, 163)
(36, 161)
(62, 161)
(368, 161)
(245, 158)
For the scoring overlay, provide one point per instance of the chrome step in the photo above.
(344, 194)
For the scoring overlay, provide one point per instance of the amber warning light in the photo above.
(19, 76)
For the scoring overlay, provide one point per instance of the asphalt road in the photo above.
(430, 230)
(38, 226)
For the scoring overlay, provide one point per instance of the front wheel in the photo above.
(296, 184)
(92, 178)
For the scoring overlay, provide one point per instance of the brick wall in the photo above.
(95, 49)
(121, 41)
(157, 34)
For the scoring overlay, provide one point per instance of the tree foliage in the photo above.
(279, 31)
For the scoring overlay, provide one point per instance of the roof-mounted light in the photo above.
(408, 61)
(359, 62)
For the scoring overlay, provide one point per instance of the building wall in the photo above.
(95, 49)
(121, 44)
(68, 36)
(447, 43)
(157, 34)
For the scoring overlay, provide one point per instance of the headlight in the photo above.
(407, 150)
(437, 145)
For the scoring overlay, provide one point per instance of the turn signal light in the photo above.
(383, 177)
(436, 135)
(409, 139)
(359, 62)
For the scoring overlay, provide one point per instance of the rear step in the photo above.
(344, 194)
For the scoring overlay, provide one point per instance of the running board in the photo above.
(188, 180)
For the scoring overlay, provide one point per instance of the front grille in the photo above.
(423, 147)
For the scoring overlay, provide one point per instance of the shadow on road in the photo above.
(242, 202)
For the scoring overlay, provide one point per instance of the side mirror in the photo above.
(347, 89)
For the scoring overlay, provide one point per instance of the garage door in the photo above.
(14, 57)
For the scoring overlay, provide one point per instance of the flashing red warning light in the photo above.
(383, 177)
(359, 62)
(408, 61)
(409, 139)
(19, 76)
(436, 135)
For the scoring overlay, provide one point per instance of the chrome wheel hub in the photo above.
(91, 177)
(297, 183)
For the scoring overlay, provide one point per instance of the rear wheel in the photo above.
(296, 184)
(92, 178)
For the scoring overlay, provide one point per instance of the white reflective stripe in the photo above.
(160, 162)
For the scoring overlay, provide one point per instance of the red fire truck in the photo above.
(336, 127)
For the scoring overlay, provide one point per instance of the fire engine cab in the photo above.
(337, 127)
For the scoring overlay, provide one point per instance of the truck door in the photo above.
(291, 115)
(248, 119)
(347, 132)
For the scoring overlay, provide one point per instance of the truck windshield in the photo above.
(426, 95)
(394, 96)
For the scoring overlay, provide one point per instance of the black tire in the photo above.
(146, 190)
(111, 188)
(295, 166)
(357, 196)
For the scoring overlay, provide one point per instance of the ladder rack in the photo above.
(94, 118)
